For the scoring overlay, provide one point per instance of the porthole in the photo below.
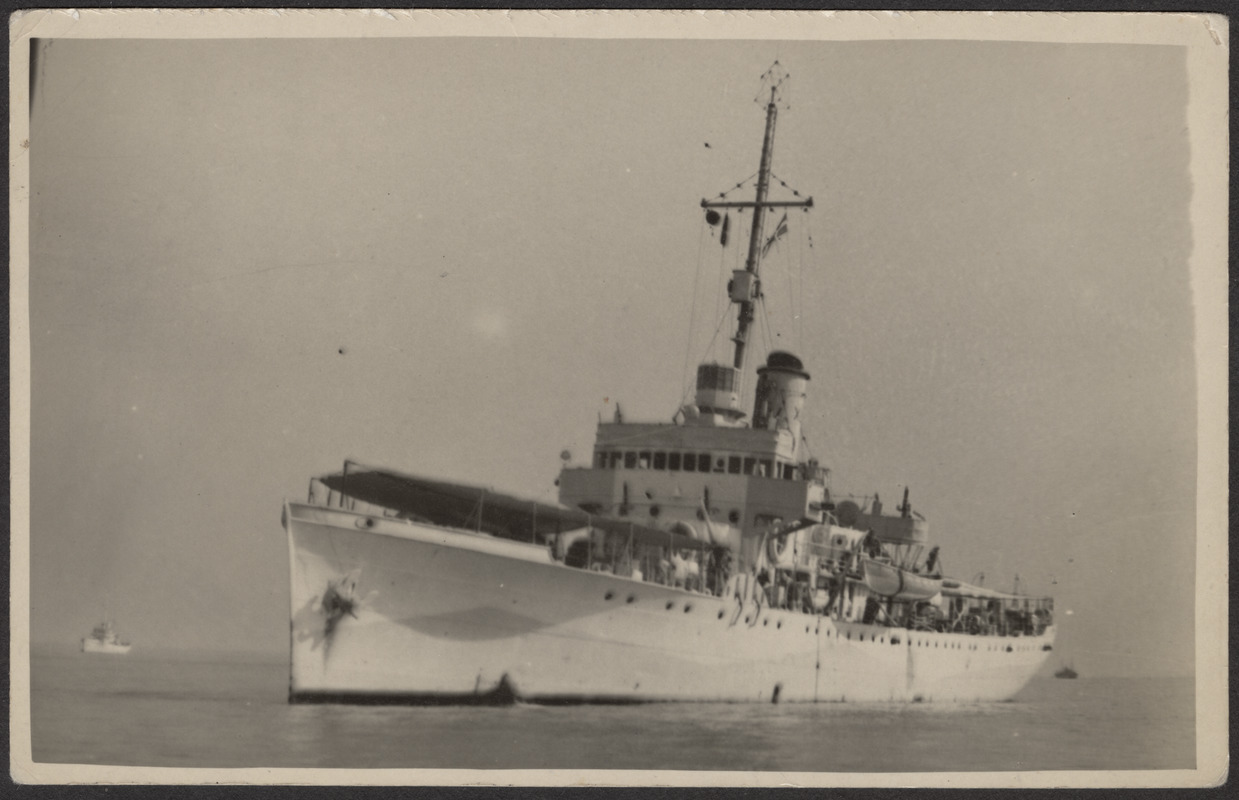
(688, 607)
(632, 598)
(720, 613)
(655, 510)
(765, 621)
(862, 637)
(669, 605)
(780, 624)
(608, 595)
(733, 517)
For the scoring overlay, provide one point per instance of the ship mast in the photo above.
(746, 293)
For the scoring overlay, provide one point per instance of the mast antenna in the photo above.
(745, 287)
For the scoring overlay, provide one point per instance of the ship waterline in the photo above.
(440, 615)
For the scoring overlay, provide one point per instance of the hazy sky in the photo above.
(252, 259)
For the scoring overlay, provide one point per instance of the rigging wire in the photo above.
(740, 185)
(800, 289)
(784, 184)
(836, 376)
(762, 344)
(718, 298)
(764, 316)
(692, 319)
(791, 294)
(721, 319)
(766, 313)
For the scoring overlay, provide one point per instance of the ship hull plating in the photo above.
(387, 610)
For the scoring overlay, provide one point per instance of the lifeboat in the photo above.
(888, 580)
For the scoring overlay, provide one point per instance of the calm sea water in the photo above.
(232, 712)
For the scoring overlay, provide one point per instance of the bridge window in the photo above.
(703, 462)
(690, 462)
(630, 460)
(643, 460)
(720, 464)
(765, 468)
(660, 460)
(600, 460)
(673, 462)
(616, 458)
(750, 466)
(733, 465)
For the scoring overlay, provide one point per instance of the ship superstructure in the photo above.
(700, 559)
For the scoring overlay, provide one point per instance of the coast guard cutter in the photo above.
(701, 559)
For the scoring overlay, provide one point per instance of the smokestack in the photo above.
(781, 389)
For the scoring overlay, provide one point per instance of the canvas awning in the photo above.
(460, 505)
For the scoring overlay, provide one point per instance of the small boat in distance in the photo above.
(1066, 672)
(103, 639)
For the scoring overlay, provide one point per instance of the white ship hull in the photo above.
(111, 648)
(435, 614)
